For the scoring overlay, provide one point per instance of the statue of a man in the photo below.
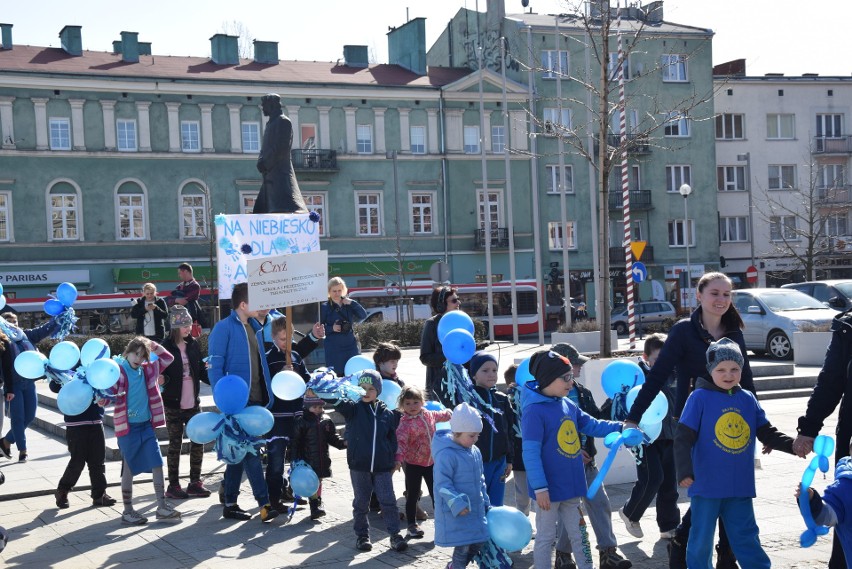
(280, 191)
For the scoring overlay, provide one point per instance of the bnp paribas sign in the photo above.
(37, 278)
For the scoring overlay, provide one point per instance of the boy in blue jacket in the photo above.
(551, 426)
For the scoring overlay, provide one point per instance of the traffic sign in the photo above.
(440, 272)
(640, 272)
(637, 248)
(751, 274)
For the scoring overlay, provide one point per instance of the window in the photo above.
(418, 139)
(126, 133)
(364, 139)
(829, 125)
(635, 182)
(422, 213)
(64, 212)
(835, 224)
(60, 134)
(729, 126)
(613, 66)
(193, 211)
(5, 216)
(780, 126)
(554, 63)
(782, 176)
(471, 140)
(247, 200)
(131, 216)
(831, 176)
(677, 236)
(638, 231)
(554, 179)
(554, 235)
(490, 201)
(369, 213)
(190, 139)
(782, 228)
(733, 229)
(498, 139)
(674, 67)
(308, 136)
(676, 124)
(316, 202)
(553, 119)
(730, 178)
(251, 137)
(676, 176)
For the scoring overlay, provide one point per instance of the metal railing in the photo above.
(832, 144)
(616, 256)
(639, 200)
(835, 195)
(499, 238)
(314, 159)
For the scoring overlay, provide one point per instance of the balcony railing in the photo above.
(838, 195)
(832, 144)
(640, 200)
(636, 143)
(616, 256)
(314, 160)
(499, 238)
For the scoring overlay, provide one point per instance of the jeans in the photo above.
(464, 554)
(254, 472)
(87, 448)
(363, 484)
(414, 476)
(522, 492)
(566, 513)
(176, 420)
(22, 410)
(743, 533)
(494, 482)
(655, 478)
(599, 511)
(276, 451)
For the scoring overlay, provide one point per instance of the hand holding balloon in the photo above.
(630, 437)
(823, 447)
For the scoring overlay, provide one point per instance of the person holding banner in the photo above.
(339, 314)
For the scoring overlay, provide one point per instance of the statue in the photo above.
(280, 191)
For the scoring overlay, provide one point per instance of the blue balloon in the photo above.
(621, 375)
(454, 320)
(94, 349)
(509, 528)
(304, 481)
(823, 447)
(231, 452)
(30, 364)
(204, 427)
(288, 385)
(631, 437)
(522, 374)
(445, 426)
(53, 307)
(231, 394)
(75, 397)
(357, 364)
(390, 393)
(2, 301)
(102, 373)
(255, 420)
(66, 293)
(656, 411)
(652, 431)
(434, 406)
(64, 355)
(458, 346)
(1, 289)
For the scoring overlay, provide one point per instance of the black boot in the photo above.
(677, 553)
(316, 508)
(725, 558)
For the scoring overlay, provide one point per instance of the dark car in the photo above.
(835, 294)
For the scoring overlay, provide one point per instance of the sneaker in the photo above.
(611, 559)
(5, 448)
(22, 457)
(133, 518)
(363, 543)
(168, 514)
(197, 490)
(268, 513)
(633, 528)
(61, 498)
(397, 542)
(235, 513)
(2, 478)
(564, 561)
(668, 534)
(677, 553)
(175, 492)
(421, 514)
(104, 501)
(287, 494)
(414, 532)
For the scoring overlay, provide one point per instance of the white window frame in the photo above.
(612, 66)
(776, 121)
(675, 68)
(830, 176)
(730, 178)
(192, 209)
(638, 230)
(553, 69)
(676, 176)
(833, 122)
(190, 136)
(6, 215)
(416, 209)
(372, 201)
(498, 139)
(364, 138)
(470, 135)
(677, 125)
(733, 229)
(124, 142)
(554, 235)
(727, 127)
(778, 171)
(495, 203)
(250, 140)
(318, 201)
(550, 124)
(777, 222)
(554, 179)
(832, 223)
(417, 138)
(60, 133)
(678, 234)
(77, 207)
(247, 199)
(142, 206)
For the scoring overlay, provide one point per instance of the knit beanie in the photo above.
(465, 419)
(179, 316)
(570, 352)
(478, 360)
(725, 350)
(311, 401)
(546, 366)
(371, 376)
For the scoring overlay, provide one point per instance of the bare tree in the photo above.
(244, 43)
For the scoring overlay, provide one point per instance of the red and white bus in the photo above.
(474, 301)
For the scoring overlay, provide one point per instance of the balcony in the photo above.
(616, 256)
(640, 200)
(832, 145)
(636, 143)
(499, 238)
(838, 195)
(314, 160)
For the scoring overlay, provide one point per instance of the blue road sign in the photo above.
(640, 272)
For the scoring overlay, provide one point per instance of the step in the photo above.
(784, 393)
(762, 368)
(774, 383)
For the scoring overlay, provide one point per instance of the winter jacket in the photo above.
(683, 354)
(432, 356)
(190, 290)
(161, 317)
(669, 425)
(228, 346)
(517, 441)
(838, 497)
(586, 403)
(286, 413)
(311, 439)
(496, 445)
(173, 387)
(6, 364)
(93, 415)
(459, 484)
(340, 346)
(21, 341)
(414, 436)
(150, 371)
(370, 435)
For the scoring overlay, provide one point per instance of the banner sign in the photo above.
(288, 280)
(252, 236)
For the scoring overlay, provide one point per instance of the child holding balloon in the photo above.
(716, 437)
(831, 510)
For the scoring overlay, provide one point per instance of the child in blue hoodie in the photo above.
(551, 425)
(831, 509)
(461, 497)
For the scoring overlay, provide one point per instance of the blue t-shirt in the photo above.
(723, 454)
(137, 395)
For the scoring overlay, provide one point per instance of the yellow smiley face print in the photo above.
(568, 438)
(732, 431)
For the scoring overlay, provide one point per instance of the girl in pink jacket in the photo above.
(414, 448)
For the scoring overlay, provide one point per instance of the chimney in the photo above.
(144, 48)
(116, 46)
(407, 46)
(5, 36)
(72, 40)
(224, 50)
(130, 47)
(653, 12)
(356, 56)
(266, 52)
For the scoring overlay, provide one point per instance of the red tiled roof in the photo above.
(33, 59)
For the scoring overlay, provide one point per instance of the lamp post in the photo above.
(747, 159)
(685, 190)
(392, 155)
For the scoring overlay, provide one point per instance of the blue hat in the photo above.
(478, 360)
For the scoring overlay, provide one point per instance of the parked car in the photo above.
(771, 315)
(650, 312)
(835, 294)
(390, 314)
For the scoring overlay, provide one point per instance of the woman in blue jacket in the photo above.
(340, 314)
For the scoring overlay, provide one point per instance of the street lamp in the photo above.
(685, 190)
(392, 155)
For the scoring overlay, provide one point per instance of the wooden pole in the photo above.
(288, 314)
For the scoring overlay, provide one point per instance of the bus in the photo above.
(474, 301)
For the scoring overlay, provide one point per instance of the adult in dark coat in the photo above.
(443, 299)
(280, 191)
(151, 313)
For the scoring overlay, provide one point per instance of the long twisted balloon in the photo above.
(823, 447)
